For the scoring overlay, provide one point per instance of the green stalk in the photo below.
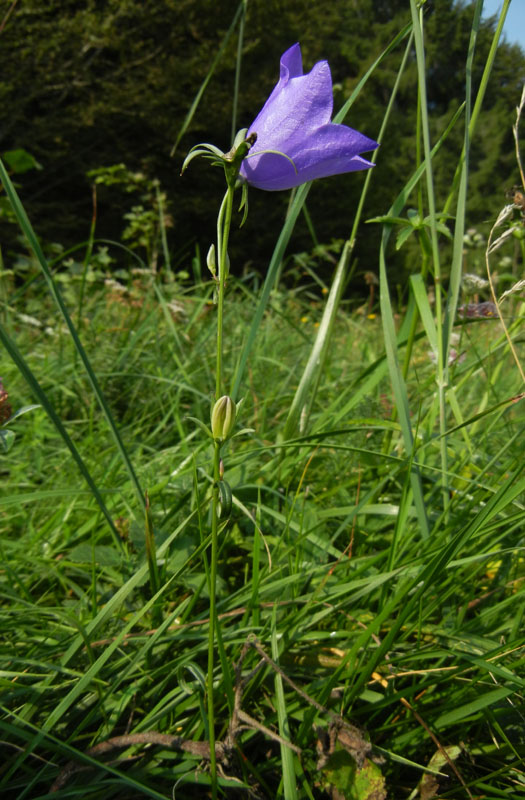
(223, 232)
(417, 22)
(480, 95)
(422, 240)
(213, 615)
(87, 261)
(151, 557)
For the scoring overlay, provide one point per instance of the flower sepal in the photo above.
(209, 151)
(230, 161)
(233, 159)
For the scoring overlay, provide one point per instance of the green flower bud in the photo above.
(211, 262)
(223, 418)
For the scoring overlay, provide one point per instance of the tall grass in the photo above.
(370, 577)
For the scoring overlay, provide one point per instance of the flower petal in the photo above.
(330, 150)
(291, 67)
(297, 105)
(292, 62)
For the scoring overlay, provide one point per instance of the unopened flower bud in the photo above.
(210, 261)
(223, 418)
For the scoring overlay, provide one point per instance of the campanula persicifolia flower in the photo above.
(295, 125)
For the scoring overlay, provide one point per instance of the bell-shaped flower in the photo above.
(296, 141)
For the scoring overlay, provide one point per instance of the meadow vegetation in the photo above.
(371, 557)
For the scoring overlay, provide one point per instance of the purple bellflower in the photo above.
(294, 124)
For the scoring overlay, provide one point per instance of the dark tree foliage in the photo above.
(90, 83)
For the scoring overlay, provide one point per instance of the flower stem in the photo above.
(213, 615)
(223, 232)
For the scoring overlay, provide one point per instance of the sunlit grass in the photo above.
(346, 570)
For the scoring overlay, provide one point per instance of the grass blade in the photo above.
(28, 232)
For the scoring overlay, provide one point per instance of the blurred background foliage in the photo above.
(91, 84)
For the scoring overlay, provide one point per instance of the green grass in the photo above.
(371, 573)
(363, 612)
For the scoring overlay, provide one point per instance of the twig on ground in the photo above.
(200, 749)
